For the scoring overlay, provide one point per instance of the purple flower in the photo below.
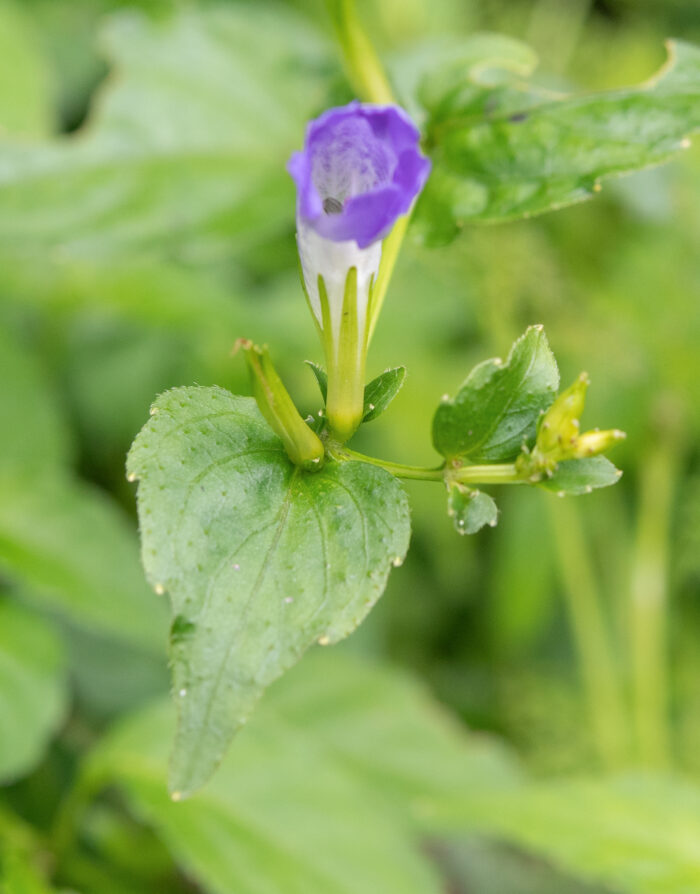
(360, 169)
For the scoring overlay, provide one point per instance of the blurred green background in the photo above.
(570, 631)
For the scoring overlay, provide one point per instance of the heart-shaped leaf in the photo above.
(496, 410)
(259, 558)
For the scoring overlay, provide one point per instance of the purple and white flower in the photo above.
(360, 170)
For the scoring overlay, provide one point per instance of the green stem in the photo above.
(362, 65)
(344, 454)
(496, 474)
(600, 677)
(649, 600)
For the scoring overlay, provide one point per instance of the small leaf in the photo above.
(496, 160)
(33, 688)
(260, 559)
(497, 408)
(470, 510)
(380, 392)
(581, 476)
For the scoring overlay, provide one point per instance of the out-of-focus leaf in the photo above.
(19, 876)
(24, 76)
(74, 552)
(337, 758)
(496, 410)
(475, 865)
(33, 434)
(638, 834)
(449, 70)
(386, 727)
(581, 476)
(110, 675)
(62, 541)
(33, 688)
(187, 146)
(260, 558)
(494, 161)
(470, 510)
(282, 815)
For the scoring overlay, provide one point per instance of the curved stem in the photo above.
(344, 454)
(504, 473)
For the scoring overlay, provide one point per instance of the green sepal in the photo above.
(581, 476)
(378, 394)
(346, 363)
(303, 446)
(321, 378)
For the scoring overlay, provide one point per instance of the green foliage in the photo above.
(33, 690)
(325, 772)
(379, 393)
(34, 436)
(24, 77)
(260, 559)
(86, 569)
(136, 251)
(581, 476)
(470, 510)
(497, 408)
(504, 152)
(602, 830)
(219, 135)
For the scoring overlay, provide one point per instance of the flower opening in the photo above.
(360, 169)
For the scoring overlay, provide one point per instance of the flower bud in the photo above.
(594, 442)
(559, 427)
(303, 446)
